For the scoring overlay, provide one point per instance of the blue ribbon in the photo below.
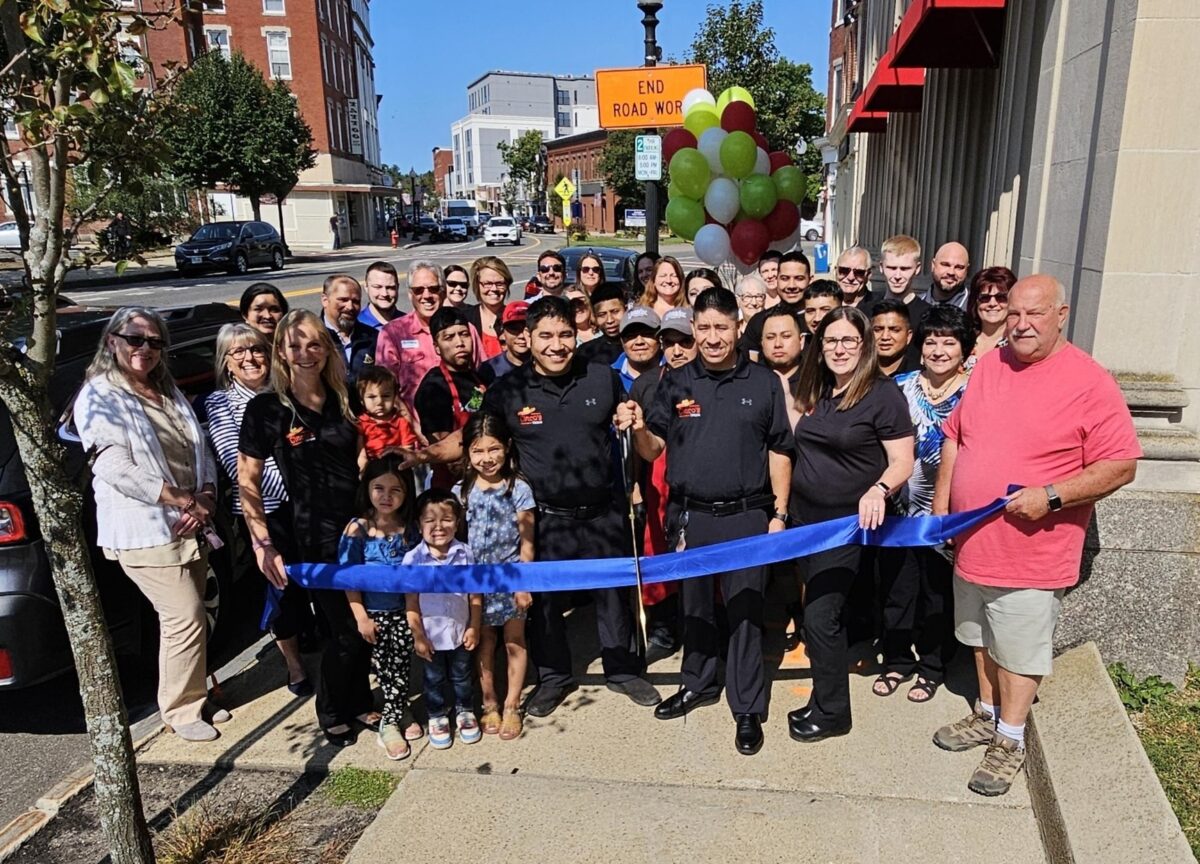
(590, 573)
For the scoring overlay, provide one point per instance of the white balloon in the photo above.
(762, 163)
(712, 245)
(722, 199)
(710, 145)
(696, 97)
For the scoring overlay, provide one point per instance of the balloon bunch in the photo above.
(729, 194)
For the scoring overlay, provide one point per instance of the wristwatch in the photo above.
(1055, 502)
(782, 517)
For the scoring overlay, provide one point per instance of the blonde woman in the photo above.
(664, 291)
(307, 426)
(155, 484)
(490, 280)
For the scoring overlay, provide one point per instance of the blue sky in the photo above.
(427, 52)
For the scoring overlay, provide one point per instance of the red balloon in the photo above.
(676, 140)
(749, 240)
(760, 139)
(738, 117)
(783, 220)
(779, 159)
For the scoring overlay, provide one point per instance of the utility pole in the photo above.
(650, 10)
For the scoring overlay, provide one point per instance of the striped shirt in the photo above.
(225, 411)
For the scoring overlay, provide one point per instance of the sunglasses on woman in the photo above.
(1000, 297)
(588, 269)
(133, 340)
(456, 284)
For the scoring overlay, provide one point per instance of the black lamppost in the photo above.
(650, 10)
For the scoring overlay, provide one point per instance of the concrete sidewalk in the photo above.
(602, 780)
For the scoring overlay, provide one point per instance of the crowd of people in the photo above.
(479, 428)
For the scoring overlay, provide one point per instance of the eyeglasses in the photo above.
(133, 340)
(856, 272)
(756, 298)
(241, 352)
(418, 290)
(850, 343)
(491, 284)
(550, 268)
(1000, 297)
(456, 284)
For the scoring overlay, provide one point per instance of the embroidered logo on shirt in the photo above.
(687, 408)
(368, 360)
(298, 435)
(529, 416)
(747, 401)
(589, 401)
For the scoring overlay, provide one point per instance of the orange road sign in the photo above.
(645, 96)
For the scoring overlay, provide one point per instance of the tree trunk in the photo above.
(279, 209)
(58, 502)
(256, 208)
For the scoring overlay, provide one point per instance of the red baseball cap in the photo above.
(515, 312)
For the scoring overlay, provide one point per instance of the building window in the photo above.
(341, 128)
(837, 93)
(217, 39)
(329, 121)
(562, 97)
(279, 54)
(564, 119)
(217, 6)
(273, 7)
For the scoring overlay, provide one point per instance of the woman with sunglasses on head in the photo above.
(243, 370)
(458, 283)
(490, 281)
(987, 307)
(589, 273)
(155, 484)
(854, 450)
(699, 280)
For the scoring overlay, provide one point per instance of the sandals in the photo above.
(925, 687)
(890, 682)
(490, 721)
(511, 726)
(413, 732)
(370, 719)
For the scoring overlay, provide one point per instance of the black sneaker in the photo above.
(546, 698)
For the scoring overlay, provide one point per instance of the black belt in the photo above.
(761, 501)
(588, 511)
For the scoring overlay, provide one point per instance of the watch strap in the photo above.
(1056, 503)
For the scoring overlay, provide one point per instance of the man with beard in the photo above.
(551, 276)
(514, 338)
(948, 270)
(341, 301)
(794, 275)
(639, 341)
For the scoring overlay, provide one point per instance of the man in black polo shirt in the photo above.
(608, 307)
(560, 412)
(782, 345)
(724, 425)
(794, 275)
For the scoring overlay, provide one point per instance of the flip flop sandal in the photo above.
(891, 682)
(923, 685)
(413, 732)
(511, 726)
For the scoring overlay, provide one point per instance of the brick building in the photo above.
(291, 40)
(578, 157)
(443, 172)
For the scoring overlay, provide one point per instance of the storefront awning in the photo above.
(862, 120)
(954, 34)
(891, 88)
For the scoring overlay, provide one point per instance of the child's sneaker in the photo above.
(439, 733)
(391, 739)
(468, 727)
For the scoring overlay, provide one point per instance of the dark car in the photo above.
(232, 246)
(618, 263)
(33, 640)
(541, 225)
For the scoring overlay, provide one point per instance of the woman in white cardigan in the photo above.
(155, 485)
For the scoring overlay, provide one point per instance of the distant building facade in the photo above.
(578, 157)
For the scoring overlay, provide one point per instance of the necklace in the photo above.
(940, 393)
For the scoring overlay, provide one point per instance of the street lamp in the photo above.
(650, 9)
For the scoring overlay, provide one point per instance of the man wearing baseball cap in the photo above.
(639, 343)
(510, 329)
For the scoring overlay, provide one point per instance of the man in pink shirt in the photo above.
(405, 344)
(1041, 414)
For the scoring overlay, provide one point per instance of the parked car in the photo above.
(33, 640)
(428, 225)
(811, 229)
(502, 229)
(232, 246)
(619, 264)
(10, 238)
(454, 228)
(541, 225)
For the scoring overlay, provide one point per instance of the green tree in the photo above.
(69, 85)
(616, 164)
(525, 167)
(737, 49)
(232, 127)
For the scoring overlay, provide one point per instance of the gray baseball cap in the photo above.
(679, 320)
(642, 316)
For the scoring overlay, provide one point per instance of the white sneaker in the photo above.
(439, 733)
(468, 727)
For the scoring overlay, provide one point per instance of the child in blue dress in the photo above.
(500, 522)
(382, 536)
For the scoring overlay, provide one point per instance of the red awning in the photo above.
(862, 120)
(893, 89)
(954, 34)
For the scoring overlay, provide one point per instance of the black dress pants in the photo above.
(745, 680)
(561, 538)
(918, 611)
(828, 577)
(900, 588)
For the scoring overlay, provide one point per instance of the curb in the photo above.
(19, 831)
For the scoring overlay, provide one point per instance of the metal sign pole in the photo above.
(650, 22)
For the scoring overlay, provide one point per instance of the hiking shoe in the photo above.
(468, 727)
(999, 767)
(439, 733)
(974, 730)
(391, 739)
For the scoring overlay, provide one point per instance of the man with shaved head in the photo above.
(948, 270)
(1044, 416)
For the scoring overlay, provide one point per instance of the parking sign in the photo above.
(647, 157)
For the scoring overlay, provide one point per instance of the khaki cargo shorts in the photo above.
(1016, 625)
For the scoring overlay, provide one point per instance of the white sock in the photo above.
(1017, 733)
(989, 709)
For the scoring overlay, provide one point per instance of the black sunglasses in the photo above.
(550, 268)
(133, 340)
(1000, 297)
(589, 269)
(456, 284)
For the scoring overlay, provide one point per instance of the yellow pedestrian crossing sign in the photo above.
(565, 188)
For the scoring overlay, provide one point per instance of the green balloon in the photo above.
(673, 191)
(738, 154)
(733, 94)
(758, 195)
(702, 116)
(685, 217)
(790, 183)
(690, 172)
